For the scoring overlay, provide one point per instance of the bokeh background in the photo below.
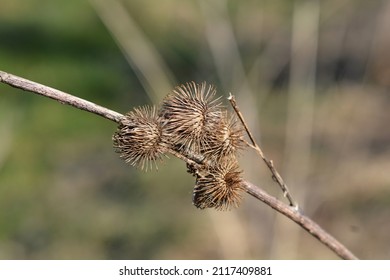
(311, 77)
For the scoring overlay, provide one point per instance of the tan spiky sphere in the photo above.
(190, 113)
(226, 140)
(139, 138)
(220, 187)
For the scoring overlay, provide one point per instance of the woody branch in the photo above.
(290, 212)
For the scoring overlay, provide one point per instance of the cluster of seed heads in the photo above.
(193, 125)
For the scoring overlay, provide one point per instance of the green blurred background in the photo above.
(311, 77)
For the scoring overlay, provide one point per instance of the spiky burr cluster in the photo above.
(193, 125)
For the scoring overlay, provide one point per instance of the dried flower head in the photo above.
(189, 114)
(193, 126)
(139, 138)
(226, 140)
(220, 187)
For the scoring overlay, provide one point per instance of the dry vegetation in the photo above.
(312, 78)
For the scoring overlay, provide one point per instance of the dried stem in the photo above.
(290, 212)
(275, 174)
(302, 220)
(62, 97)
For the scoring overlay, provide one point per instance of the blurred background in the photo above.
(312, 79)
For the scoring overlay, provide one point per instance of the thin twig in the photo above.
(290, 212)
(62, 97)
(302, 220)
(275, 174)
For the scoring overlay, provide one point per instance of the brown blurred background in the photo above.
(311, 77)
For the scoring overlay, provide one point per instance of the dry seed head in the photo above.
(189, 114)
(139, 138)
(226, 140)
(220, 188)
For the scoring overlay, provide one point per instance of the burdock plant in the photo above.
(193, 126)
